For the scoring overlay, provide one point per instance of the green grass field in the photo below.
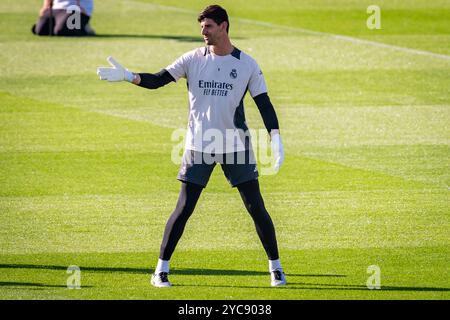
(86, 176)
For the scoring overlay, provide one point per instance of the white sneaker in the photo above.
(160, 280)
(277, 278)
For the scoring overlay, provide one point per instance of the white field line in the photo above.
(314, 33)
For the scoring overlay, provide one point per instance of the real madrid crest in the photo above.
(233, 74)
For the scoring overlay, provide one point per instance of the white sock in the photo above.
(275, 265)
(162, 266)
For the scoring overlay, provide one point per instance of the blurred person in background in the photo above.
(65, 18)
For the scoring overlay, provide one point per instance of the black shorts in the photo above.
(238, 167)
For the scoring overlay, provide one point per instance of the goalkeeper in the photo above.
(218, 77)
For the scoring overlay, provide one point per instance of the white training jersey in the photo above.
(87, 5)
(217, 86)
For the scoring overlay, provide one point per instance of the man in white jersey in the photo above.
(218, 76)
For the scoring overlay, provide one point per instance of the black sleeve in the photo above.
(267, 111)
(156, 80)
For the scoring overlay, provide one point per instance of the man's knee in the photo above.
(185, 207)
(257, 208)
(42, 28)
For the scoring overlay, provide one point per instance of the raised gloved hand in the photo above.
(116, 73)
(277, 151)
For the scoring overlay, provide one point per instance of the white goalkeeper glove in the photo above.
(277, 151)
(117, 73)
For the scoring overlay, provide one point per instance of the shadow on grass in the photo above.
(322, 286)
(216, 272)
(151, 36)
(155, 36)
(32, 284)
(176, 271)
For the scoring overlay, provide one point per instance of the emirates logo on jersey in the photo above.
(213, 88)
(233, 74)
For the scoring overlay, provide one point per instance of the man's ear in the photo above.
(224, 26)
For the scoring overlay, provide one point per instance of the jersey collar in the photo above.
(235, 53)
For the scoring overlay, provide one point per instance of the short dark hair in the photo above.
(216, 13)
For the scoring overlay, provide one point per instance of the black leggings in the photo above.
(189, 194)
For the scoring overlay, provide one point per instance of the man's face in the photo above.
(212, 32)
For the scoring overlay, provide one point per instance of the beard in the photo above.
(210, 41)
